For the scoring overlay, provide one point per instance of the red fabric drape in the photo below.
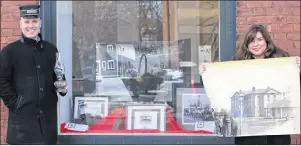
(105, 125)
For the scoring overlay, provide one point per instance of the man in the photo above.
(27, 84)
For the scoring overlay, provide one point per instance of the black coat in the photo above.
(27, 89)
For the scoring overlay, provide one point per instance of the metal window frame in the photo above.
(227, 15)
(48, 14)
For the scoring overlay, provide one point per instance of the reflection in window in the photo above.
(130, 51)
(167, 33)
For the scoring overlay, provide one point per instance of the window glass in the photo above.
(126, 56)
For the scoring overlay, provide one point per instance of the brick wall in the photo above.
(282, 19)
(10, 31)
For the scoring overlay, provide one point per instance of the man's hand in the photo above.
(61, 86)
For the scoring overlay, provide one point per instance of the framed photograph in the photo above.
(148, 117)
(93, 106)
(192, 107)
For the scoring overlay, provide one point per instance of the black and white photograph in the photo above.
(91, 106)
(146, 117)
(192, 106)
(196, 108)
(225, 126)
(261, 109)
(263, 100)
(139, 71)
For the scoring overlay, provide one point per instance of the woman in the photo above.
(258, 44)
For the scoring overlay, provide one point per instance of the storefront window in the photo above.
(126, 56)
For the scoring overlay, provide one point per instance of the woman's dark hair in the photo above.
(271, 51)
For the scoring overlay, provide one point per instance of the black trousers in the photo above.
(264, 140)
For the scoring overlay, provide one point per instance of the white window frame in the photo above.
(110, 48)
(104, 65)
(110, 61)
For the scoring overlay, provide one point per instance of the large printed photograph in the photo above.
(138, 71)
(257, 97)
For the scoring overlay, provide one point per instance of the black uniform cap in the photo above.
(30, 11)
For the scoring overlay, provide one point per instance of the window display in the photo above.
(127, 59)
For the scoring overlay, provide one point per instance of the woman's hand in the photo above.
(203, 68)
(298, 60)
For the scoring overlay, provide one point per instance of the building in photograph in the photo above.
(114, 59)
(96, 41)
(260, 103)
